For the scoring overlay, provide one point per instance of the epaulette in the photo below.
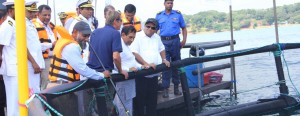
(178, 11)
(78, 18)
(10, 23)
(159, 12)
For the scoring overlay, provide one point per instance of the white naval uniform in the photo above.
(9, 65)
(35, 49)
(126, 89)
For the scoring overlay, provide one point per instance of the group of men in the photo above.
(68, 53)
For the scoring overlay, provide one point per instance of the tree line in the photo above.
(246, 18)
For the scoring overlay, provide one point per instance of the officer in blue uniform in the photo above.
(170, 22)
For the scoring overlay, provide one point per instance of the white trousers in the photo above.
(11, 88)
(126, 90)
(34, 81)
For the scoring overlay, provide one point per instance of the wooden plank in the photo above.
(174, 100)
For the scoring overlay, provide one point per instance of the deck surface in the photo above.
(173, 100)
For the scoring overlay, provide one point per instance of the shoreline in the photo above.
(258, 27)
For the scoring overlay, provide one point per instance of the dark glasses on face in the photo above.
(153, 28)
(85, 35)
(118, 19)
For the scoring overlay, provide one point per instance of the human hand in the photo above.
(36, 68)
(133, 69)
(152, 65)
(182, 43)
(166, 62)
(125, 74)
(106, 74)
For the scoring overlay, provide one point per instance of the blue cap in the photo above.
(1, 5)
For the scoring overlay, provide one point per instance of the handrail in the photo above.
(176, 64)
(209, 45)
(212, 68)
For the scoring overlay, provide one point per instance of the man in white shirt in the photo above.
(35, 58)
(47, 36)
(126, 89)
(147, 47)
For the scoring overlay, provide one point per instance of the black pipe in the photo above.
(254, 107)
(201, 59)
(212, 68)
(186, 95)
(175, 64)
(282, 86)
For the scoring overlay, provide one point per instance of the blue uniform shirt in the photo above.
(105, 41)
(170, 24)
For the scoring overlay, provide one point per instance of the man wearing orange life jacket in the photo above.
(48, 36)
(129, 18)
(67, 64)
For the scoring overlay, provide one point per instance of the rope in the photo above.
(277, 83)
(70, 90)
(288, 71)
(48, 106)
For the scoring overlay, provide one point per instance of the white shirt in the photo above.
(89, 21)
(9, 53)
(128, 61)
(72, 54)
(68, 23)
(127, 58)
(148, 48)
(34, 45)
(51, 36)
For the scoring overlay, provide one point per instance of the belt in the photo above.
(59, 82)
(169, 37)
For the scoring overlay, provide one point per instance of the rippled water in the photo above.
(254, 71)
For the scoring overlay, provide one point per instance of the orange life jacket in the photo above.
(136, 22)
(59, 65)
(44, 38)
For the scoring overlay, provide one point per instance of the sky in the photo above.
(149, 8)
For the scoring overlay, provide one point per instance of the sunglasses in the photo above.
(153, 28)
(118, 19)
(86, 35)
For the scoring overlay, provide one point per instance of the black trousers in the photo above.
(146, 96)
(2, 96)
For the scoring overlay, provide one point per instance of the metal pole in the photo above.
(54, 12)
(22, 57)
(232, 61)
(282, 87)
(275, 21)
(95, 10)
(199, 75)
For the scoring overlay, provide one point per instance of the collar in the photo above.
(10, 19)
(110, 26)
(39, 21)
(83, 18)
(172, 12)
(144, 34)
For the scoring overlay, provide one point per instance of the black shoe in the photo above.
(176, 90)
(165, 93)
